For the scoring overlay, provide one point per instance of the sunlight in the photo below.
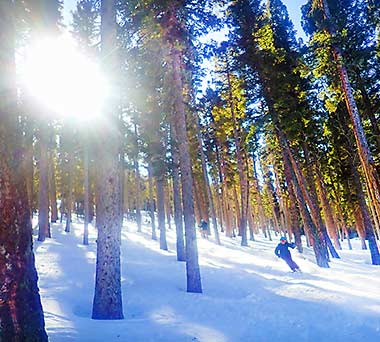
(63, 80)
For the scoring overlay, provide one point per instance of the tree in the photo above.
(206, 180)
(85, 32)
(321, 20)
(43, 19)
(178, 213)
(21, 314)
(174, 41)
(107, 300)
(267, 48)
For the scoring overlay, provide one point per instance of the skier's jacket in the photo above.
(282, 250)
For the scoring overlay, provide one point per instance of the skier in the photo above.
(282, 251)
(204, 229)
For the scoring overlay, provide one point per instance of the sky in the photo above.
(294, 8)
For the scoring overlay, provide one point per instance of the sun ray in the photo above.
(64, 81)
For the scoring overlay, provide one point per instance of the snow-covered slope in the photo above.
(249, 294)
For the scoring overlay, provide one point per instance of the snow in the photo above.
(249, 294)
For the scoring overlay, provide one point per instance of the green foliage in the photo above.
(85, 25)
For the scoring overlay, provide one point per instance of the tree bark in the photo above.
(324, 239)
(192, 265)
(43, 190)
(327, 210)
(293, 207)
(161, 212)
(86, 163)
(178, 213)
(272, 198)
(312, 200)
(360, 227)
(28, 161)
(53, 189)
(366, 219)
(370, 110)
(151, 203)
(122, 174)
(220, 182)
(251, 223)
(229, 214)
(242, 175)
(168, 208)
(343, 225)
(138, 195)
(320, 249)
(69, 194)
(259, 199)
(107, 299)
(365, 156)
(21, 314)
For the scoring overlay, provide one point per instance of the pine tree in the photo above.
(21, 314)
(268, 49)
(323, 23)
(107, 300)
(85, 32)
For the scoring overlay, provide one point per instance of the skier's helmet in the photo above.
(283, 238)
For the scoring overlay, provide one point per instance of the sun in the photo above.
(67, 83)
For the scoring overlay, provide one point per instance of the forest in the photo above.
(165, 114)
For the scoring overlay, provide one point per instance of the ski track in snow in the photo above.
(249, 294)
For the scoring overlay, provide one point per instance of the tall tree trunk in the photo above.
(43, 191)
(53, 189)
(91, 195)
(197, 207)
(242, 174)
(137, 180)
(194, 283)
(343, 225)
(220, 182)
(168, 208)
(224, 200)
(370, 110)
(86, 163)
(251, 223)
(122, 178)
(108, 300)
(259, 198)
(178, 213)
(151, 203)
(69, 195)
(375, 218)
(161, 211)
(366, 219)
(138, 195)
(21, 314)
(28, 161)
(365, 226)
(272, 198)
(283, 214)
(360, 226)
(237, 216)
(365, 156)
(312, 200)
(128, 195)
(294, 215)
(219, 206)
(320, 249)
(327, 211)
(324, 239)
(229, 214)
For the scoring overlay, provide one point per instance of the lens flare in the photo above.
(63, 80)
